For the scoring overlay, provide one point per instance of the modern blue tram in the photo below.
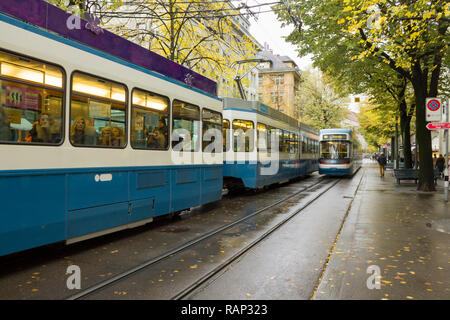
(90, 126)
(340, 152)
(87, 126)
(263, 146)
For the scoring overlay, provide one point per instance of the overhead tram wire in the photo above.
(149, 15)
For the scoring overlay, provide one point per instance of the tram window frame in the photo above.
(251, 145)
(270, 130)
(149, 109)
(266, 136)
(196, 145)
(203, 127)
(125, 103)
(280, 135)
(43, 87)
(286, 144)
(292, 143)
(225, 137)
(304, 146)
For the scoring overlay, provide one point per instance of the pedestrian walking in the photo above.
(440, 163)
(382, 164)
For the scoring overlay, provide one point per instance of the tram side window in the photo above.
(286, 141)
(293, 143)
(280, 138)
(186, 123)
(97, 112)
(149, 120)
(243, 135)
(31, 101)
(225, 135)
(270, 131)
(211, 127)
(303, 144)
(262, 137)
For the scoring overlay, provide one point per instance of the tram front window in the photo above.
(335, 150)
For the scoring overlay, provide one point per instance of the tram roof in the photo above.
(54, 19)
(335, 130)
(261, 108)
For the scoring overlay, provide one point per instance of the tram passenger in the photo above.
(156, 140)
(106, 137)
(118, 137)
(81, 134)
(5, 129)
(163, 129)
(44, 130)
(440, 163)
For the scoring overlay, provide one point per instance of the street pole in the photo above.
(396, 144)
(446, 133)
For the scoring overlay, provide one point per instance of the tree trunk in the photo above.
(423, 136)
(407, 145)
(405, 127)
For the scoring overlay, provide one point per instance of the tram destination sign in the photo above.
(438, 126)
(334, 136)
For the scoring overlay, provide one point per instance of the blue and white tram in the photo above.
(85, 138)
(252, 158)
(340, 152)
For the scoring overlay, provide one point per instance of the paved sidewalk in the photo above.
(400, 231)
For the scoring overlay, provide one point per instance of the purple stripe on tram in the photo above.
(49, 17)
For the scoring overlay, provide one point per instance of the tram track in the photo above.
(98, 288)
(190, 290)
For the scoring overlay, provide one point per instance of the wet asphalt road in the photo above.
(289, 263)
(41, 273)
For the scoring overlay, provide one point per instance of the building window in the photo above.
(279, 79)
(274, 96)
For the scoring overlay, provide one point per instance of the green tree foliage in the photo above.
(409, 37)
(377, 123)
(320, 106)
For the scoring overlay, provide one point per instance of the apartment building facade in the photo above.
(279, 82)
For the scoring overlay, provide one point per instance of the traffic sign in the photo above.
(437, 126)
(434, 109)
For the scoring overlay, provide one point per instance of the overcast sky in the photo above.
(268, 29)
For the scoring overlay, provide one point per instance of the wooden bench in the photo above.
(390, 165)
(437, 175)
(412, 174)
(406, 174)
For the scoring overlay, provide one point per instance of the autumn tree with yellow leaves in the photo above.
(198, 34)
(410, 37)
